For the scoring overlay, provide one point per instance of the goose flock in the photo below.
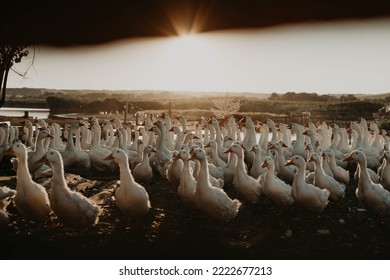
(304, 164)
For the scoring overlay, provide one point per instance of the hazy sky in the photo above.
(337, 57)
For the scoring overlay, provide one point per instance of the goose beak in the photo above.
(310, 159)
(264, 164)
(10, 151)
(228, 151)
(49, 136)
(177, 157)
(289, 163)
(348, 158)
(110, 157)
(208, 145)
(42, 160)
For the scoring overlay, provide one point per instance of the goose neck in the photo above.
(125, 173)
(203, 177)
(22, 171)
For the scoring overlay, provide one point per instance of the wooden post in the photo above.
(170, 109)
(126, 108)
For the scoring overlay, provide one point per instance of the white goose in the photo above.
(373, 175)
(131, 198)
(55, 131)
(285, 134)
(298, 147)
(82, 158)
(69, 153)
(309, 164)
(324, 181)
(385, 172)
(249, 140)
(72, 208)
(187, 187)
(5, 198)
(247, 186)
(179, 136)
(99, 154)
(214, 202)
(140, 149)
(339, 173)
(218, 138)
(214, 171)
(307, 195)
(39, 151)
(173, 170)
(286, 173)
(335, 141)
(343, 146)
(229, 169)
(143, 171)
(85, 134)
(273, 187)
(372, 196)
(257, 170)
(163, 155)
(372, 155)
(215, 159)
(31, 199)
(214, 181)
(28, 127)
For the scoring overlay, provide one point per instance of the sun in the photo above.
(188, 42)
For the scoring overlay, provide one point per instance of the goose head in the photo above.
(236, 148)
(268, 162)
(51, 156)
(255, 148)
(211, 144)
(149, 149)
(315, 157)
(297, 161)
(117, 155)
(183, 155)
(329, 153)
(44, 133)
(356, 155)
(277, 145)
(198, 154)
(17, 148)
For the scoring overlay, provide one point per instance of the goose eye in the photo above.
(17, 145)
(51, 153)
(117, 152)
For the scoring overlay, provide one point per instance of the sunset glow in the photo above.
(339, 57)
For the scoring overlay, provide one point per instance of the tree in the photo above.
(9, 55)
(225, 106)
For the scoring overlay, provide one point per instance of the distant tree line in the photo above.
(331, 109)
(311, 97)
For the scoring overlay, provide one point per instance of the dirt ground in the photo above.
(173, 231)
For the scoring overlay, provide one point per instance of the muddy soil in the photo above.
(172, 230)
